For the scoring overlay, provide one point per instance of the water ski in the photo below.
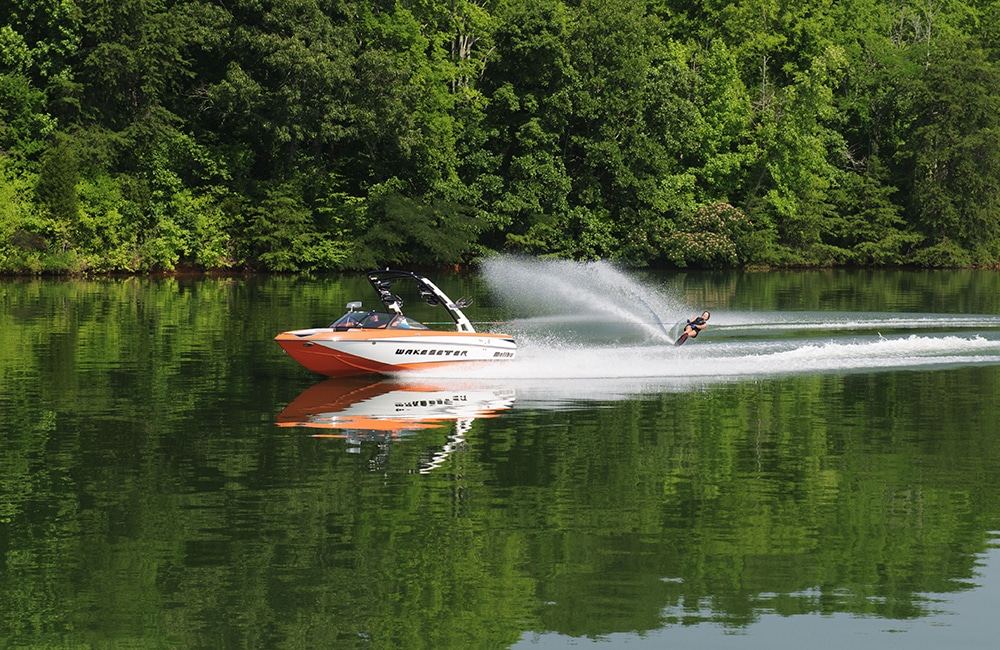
(676, 332)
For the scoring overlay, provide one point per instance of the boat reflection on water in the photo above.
(360, 410)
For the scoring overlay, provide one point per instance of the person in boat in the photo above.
(373, 320)
(694, 326)
(403, 323)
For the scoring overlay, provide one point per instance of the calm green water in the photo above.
(820, 467)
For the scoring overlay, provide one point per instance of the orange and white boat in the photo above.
(385, 341)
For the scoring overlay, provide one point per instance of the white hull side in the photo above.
(411, 351)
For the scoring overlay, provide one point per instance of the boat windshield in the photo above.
(404, 323)
(376, 320)
(349, 320)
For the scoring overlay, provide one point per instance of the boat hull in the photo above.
(357, 352)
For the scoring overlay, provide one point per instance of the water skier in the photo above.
(693, 326)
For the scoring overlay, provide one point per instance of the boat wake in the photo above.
(605, 333)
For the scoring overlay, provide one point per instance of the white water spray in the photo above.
(590, 330)
(561, 291)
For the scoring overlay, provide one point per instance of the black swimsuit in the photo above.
(697, 324)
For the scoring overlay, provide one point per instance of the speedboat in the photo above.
(386, 341)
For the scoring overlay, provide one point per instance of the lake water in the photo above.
(820, 468)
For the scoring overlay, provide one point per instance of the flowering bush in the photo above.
(714, 235)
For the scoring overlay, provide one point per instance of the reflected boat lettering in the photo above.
(359, 411)
(355, 406)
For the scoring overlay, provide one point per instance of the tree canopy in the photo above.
(295, 135)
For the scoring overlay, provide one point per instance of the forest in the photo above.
(329, 135)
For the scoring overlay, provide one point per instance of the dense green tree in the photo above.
(868, 228)
(794, 172)
(847, 132)
(21, 243)
(954, 155)
(278, 97)
(58, 179)
(285, 237)
(42, 38)
(527, 85)
(25, 125)
(401, 232)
